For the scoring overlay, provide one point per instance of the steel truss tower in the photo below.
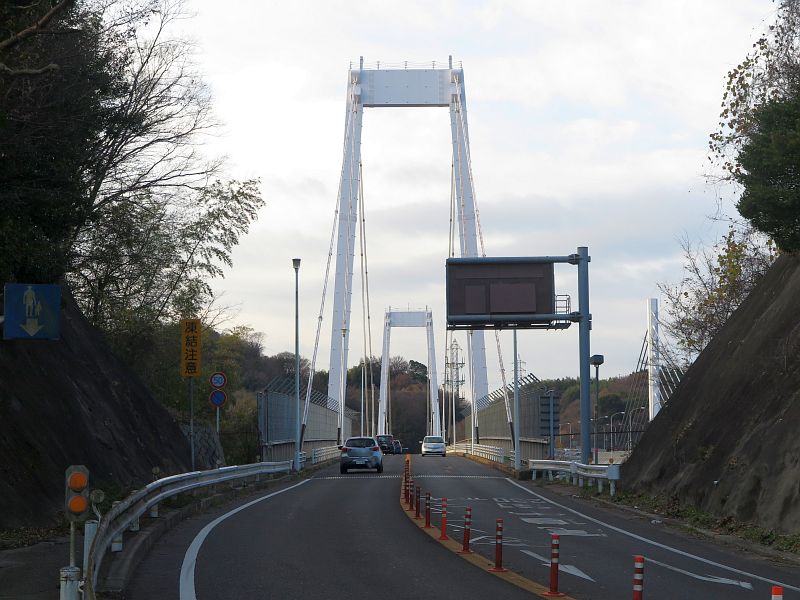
(403, 87)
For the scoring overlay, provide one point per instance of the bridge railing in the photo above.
(578, 472)
(492, 453)
(128, 511)
(320, 455)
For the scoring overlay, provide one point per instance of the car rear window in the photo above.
(360, 443)
(385, 438)
(433, 440)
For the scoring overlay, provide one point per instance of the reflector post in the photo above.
(76, 493)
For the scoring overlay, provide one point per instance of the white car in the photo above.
(433, 444)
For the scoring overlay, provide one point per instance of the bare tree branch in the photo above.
(36, 27)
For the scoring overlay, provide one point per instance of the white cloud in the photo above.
(588, 125)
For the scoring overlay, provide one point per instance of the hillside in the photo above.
(72, 402)
(727, 442)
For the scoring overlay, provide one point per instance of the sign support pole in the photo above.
(515, 424)
(584, 327)
(218, 420)
(191, 417)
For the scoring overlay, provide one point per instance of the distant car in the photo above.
(386, 443)
(397, 447)
(361, 453)
(433, 444)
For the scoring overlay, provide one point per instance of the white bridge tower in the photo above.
(399, 87)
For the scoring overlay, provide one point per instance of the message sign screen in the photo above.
(502, 290)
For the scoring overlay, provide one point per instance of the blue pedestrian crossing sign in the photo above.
(32, 311)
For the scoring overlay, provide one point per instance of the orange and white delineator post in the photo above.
(555, 551)
(467, 531)
(498, 548)
(638, 577)
(443, 535)
(777, 592)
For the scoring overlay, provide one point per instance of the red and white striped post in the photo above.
(443, 535)
(555, 543)
(467, 531)
(638, 577)
(410, 494)
(417, 494)
(498, 548)
(777, 592)
(405, 487)
(428, 511)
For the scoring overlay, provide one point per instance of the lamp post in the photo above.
(296, 265)
(596, 360)
(612, 427)
(630, 427)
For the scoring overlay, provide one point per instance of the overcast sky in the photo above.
(588, 122)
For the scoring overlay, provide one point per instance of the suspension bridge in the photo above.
(465, 377)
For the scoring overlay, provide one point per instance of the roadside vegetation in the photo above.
(753, 155)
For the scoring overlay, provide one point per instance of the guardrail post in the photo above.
(89, 531)
(777, 592)
(154, 511)
(638, 577)
(443, 522)
(467, 531)
(69, 582)
(574, 470)
(134, 526)
(600, 485)
(116, 543)
(498, 548)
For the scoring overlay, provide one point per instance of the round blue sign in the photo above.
(217, 398)
(218, 380)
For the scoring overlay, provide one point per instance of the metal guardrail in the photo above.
(578, 472)
(493, 453)
(122, 515)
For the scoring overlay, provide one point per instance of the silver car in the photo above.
(361, 453)
(433, 444)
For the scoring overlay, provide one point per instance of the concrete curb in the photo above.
(478, 559)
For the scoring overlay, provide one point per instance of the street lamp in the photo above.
(596, 360)
(296, 265)
(612, 427)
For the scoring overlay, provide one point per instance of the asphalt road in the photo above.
(336, 534)
(597, 544)
(332, 536)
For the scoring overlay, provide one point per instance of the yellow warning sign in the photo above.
(190, 347)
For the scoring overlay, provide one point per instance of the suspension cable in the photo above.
(464, 135)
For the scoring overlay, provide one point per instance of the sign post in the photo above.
(217, 397)
(190, 366)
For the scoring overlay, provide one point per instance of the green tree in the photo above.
(769, 161)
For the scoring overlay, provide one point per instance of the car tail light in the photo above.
(345, 449)
(375, 448)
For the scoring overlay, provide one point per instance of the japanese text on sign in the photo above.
(190, 348)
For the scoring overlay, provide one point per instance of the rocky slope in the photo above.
(72, 402)
(728, 442)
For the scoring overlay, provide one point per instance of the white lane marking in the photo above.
(573, 532)
(657, 544)
(712, 578)
(187, 591)
(544, 521)
(571, 569)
